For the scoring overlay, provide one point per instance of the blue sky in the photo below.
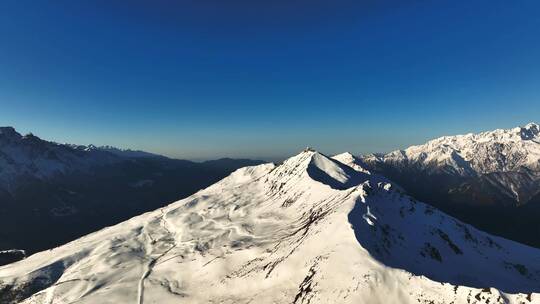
(263, 79)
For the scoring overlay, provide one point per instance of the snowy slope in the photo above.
(311, 230)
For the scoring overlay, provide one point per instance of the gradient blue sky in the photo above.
(263, 79)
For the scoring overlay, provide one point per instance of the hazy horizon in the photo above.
(209, 79)
(259, 157)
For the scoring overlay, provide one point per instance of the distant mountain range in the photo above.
(52, 193)
(123, 152)
(490, 179)
(311, 230)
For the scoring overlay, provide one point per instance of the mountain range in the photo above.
(490, 179)
(310, 230)
(52, 193)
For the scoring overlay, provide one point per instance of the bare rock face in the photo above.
(11, 255)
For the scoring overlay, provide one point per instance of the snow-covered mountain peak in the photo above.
(91, 147)
(333, 173)
(345, 157)
(311, 230)
(530, 131)
(532, 126)
(315, 166)
(501, 150)
(503, 163)
(351, 161)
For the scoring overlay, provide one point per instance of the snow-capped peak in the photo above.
(507, 161)
(530, 131)
(501, 150)
(90, 147)
(351, 161)
(321, 168)
(532, 125)
(345, 156)
(282, 234)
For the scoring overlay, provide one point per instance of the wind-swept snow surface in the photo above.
(311, 230)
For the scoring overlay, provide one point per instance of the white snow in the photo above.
(351, 161)
(311, 230)
(14, 251)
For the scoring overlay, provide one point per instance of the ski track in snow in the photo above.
(153, 261)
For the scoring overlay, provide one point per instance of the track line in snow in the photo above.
(150, 266)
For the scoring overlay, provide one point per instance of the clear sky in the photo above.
(263, 79)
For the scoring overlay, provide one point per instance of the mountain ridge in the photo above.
(518, 148)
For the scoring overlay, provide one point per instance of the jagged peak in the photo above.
(500, 150)
(448, 144)
(525, 132)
